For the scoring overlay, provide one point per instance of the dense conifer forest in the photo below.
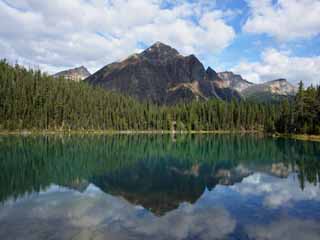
(303, 114)
(35, 101)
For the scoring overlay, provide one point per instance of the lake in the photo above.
(159, 187)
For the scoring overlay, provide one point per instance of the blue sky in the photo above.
(260, 39)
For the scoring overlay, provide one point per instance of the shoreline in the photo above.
(115, 132)
(302, 137)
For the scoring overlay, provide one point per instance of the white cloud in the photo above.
(279, 64)
(285, 20)
(65, 33)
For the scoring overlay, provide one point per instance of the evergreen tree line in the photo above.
(35, 101)
(302, 116)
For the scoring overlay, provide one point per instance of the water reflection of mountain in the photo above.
(162, 186)
(153, 171)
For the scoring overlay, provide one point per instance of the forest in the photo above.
(32, 100)
(303, 114)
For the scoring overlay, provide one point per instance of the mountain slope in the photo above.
(75, 74)
(162, 75)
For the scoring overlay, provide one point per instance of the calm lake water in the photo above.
(159, 187)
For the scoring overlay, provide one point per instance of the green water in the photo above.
(159, 187)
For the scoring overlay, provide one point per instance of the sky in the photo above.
(260, 39)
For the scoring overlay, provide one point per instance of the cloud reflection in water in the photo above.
(62, 213)
(96, 215)
(277, 192)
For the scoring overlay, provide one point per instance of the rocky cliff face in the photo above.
(162, 75)
(75, 74)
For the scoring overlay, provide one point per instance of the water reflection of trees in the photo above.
(192, 162)
(305, 156)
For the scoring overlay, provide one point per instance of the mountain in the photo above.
(162, 75)
(275, 90)
(75, 74)
(234, 81)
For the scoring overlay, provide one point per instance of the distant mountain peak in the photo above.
(75, 74)
(273, 90)
(282, 87)
(234, 81)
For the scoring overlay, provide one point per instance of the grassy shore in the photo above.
(109, 132)
(302, 137)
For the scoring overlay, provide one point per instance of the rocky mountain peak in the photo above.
(161, 47)
(160, 52)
